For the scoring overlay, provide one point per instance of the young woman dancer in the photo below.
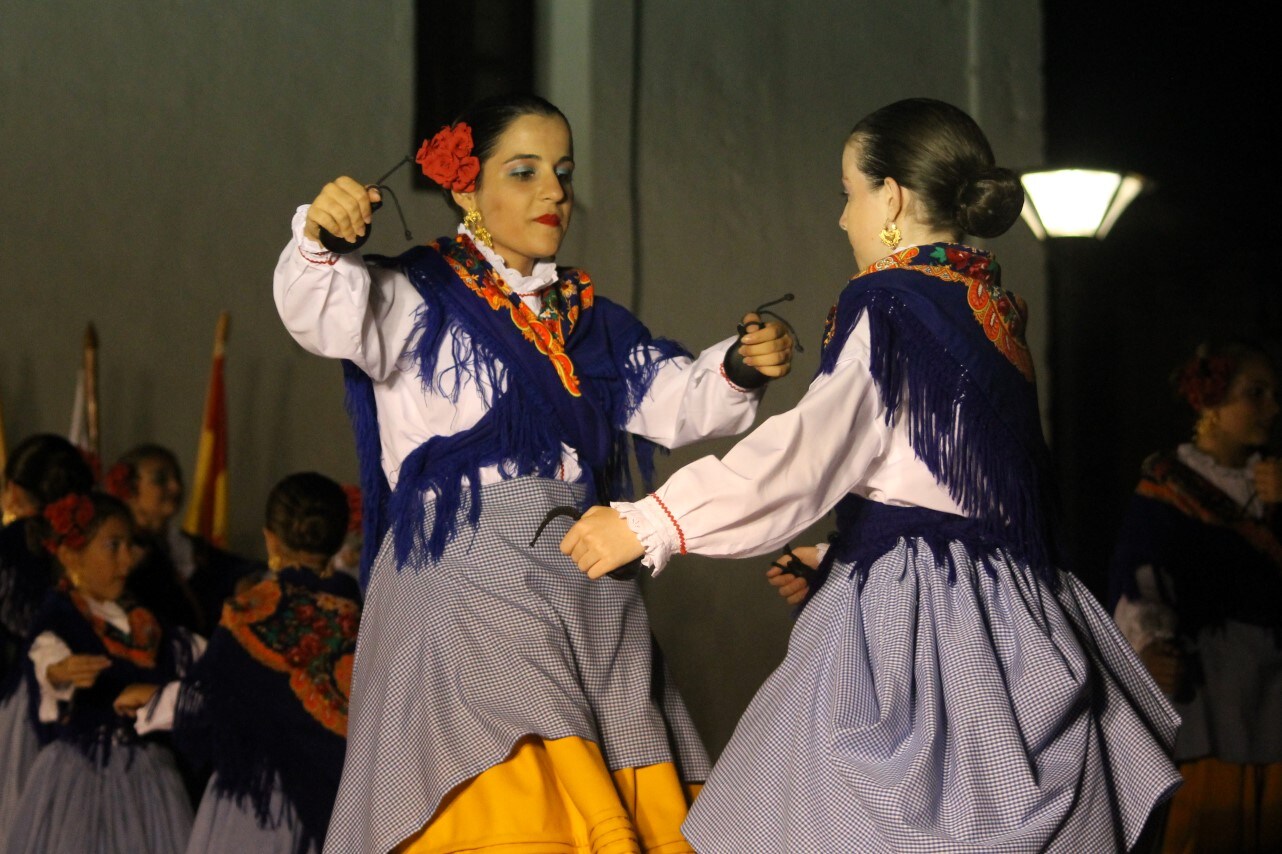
(498, 698)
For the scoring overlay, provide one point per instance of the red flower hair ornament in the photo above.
(447, 158)
(120, 481)
(69, 517)
(353, 493)
(1204, 381)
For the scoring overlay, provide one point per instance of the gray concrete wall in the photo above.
(153, 154)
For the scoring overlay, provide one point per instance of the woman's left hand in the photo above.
(792, 586)
(601, 542)
(1268, 480)
(768, 348)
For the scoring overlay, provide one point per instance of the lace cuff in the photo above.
(656, 528)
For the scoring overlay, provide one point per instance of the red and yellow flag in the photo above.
(207, 509)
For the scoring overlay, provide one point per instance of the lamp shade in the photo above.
(1077, 202)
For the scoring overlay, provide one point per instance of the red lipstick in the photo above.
(549, 219)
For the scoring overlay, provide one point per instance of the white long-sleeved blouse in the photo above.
(790, 471)
(337, 306)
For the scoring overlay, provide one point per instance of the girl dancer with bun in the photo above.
(947, 687)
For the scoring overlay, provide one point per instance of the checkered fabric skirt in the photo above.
(989, 714)
(458, 659)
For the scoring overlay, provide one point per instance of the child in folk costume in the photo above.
(39, 471)
(181, 578)
(97, 787)
(946, 688)
(266, 705)
(1196, 588)
(499, 699)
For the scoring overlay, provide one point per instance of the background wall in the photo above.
(153, 157)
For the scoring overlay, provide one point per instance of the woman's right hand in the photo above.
(1165, 664)
(80, 671)
(342, 208)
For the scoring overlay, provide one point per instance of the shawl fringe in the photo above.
(522, 431)
(999, 476)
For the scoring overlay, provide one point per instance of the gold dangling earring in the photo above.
(1207, 422)
(473, 222)
(891, 235)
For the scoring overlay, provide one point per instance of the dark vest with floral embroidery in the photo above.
(267, 702)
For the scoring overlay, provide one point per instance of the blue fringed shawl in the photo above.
(541, 394)
(947, 346)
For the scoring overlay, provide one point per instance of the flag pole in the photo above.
(207, 510)
(91, 388)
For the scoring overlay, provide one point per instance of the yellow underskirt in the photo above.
(558, 797)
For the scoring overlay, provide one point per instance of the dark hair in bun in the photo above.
(48, 467)
(308, 511)
(938, 152)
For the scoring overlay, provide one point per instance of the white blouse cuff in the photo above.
(822, 550)
(655, 527)
(312, 252)
(46, 650)
(158, 714)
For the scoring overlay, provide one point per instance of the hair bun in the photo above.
(989, 202)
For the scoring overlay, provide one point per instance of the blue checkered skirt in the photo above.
(912, 713)
(458, 659)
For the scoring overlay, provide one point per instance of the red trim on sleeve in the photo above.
(673, 519)
(329, 258)
(730, 383)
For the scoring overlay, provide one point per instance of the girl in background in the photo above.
(947, 687)
(181, 578)
(40, 470)
(97, 787)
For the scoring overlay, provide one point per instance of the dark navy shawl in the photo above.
(532, 412)
(1220, 564)
(25, 579)
(947, 346)
(88, 721)
(245, 719)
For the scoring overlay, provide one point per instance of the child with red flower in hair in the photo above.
(97, 787)
(266, 706)
(1196, 587)
(40, 470)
